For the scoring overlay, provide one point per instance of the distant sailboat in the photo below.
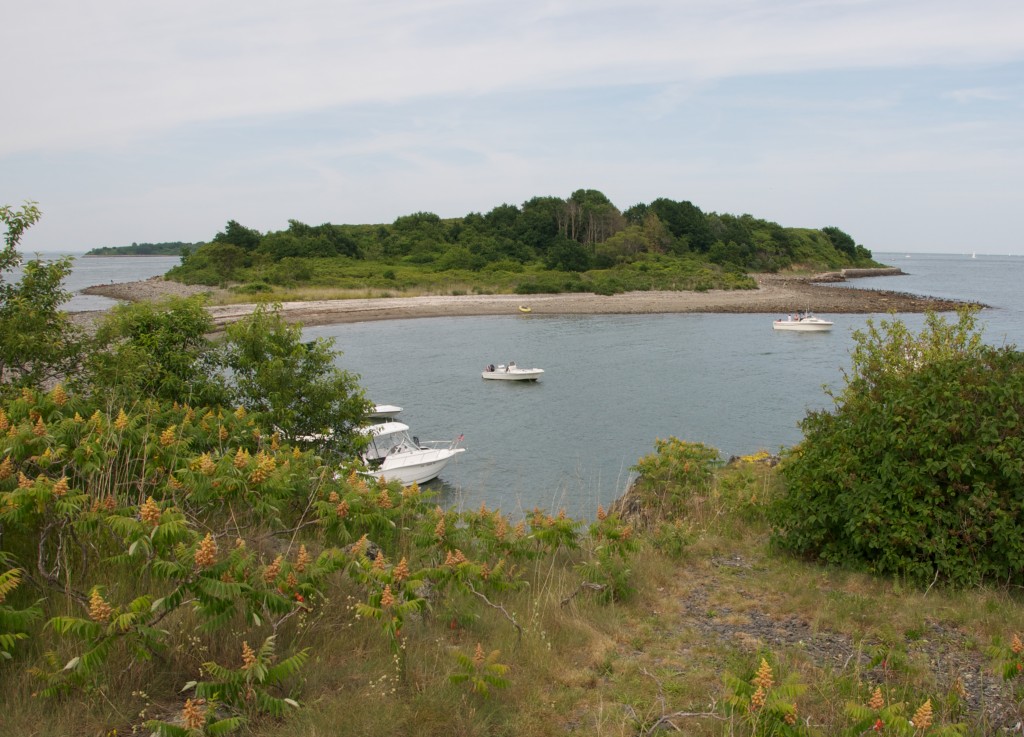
(974, 255)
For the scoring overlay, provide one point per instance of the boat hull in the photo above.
(804, 326)
(415, 468)
(513, 374)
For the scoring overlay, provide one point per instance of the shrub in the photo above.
(918, 471)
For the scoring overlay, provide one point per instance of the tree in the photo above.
(159, 350)
(294, 384)
(918, 470)
(539, 221)
(38, 342)
(567, 255)
(589, 217)
(840, 241)
(238, 235)
(686, 222)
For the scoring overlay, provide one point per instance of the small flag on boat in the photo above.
(461, 436)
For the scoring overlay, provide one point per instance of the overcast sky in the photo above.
(899, 121)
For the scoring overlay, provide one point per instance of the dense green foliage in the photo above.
(155, 350)
(549, 244)
(293, 384)
(919, 471)
(37, 339)
(173, 248)
(167, 523)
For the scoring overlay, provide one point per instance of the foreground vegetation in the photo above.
(583, 243)
(174, 558)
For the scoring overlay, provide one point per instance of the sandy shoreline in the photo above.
(774, 295)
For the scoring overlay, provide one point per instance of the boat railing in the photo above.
(438, 444)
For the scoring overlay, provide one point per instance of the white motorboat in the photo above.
(395, 455)
(511, 372)
(385, 411)
(803, 322)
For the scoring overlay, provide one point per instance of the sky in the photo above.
(899, 121)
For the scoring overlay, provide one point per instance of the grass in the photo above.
(711, 599)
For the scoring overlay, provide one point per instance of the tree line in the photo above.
(172, 248)
(581, 233)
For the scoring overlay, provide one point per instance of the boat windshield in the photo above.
(385, 443)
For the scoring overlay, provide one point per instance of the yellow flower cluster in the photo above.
(764, 678)
(99, 609)
(206, 465)
(39, 429)
(265, 465)
(150, 512)
(478, 655)
(387, 599)
(454, 559)
(877, 701)
(923, 716)
(6, 468)
(272, 571)
(248, 656)
(303, 559)
(59, 396)
(206, 553)
(193, 714)
(1015, 644)
(122, 420)
(359, 546)
(342, 509)
(384, 500)
(167, 437)
(61, 487)
(241, 459)
(401, 571)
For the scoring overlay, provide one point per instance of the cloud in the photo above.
(102, 72)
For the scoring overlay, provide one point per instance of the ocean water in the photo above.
(612, 383)
(615, 383)
(88, 271)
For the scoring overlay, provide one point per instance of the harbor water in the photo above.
(613, 384)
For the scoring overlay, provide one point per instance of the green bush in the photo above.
(918, 471)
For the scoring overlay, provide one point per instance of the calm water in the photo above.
(88, 271)
(612, 384)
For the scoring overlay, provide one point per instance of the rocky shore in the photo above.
(775, 295)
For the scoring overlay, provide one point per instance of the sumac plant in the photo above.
(139, 542)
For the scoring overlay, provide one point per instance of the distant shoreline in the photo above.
(775, 295)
